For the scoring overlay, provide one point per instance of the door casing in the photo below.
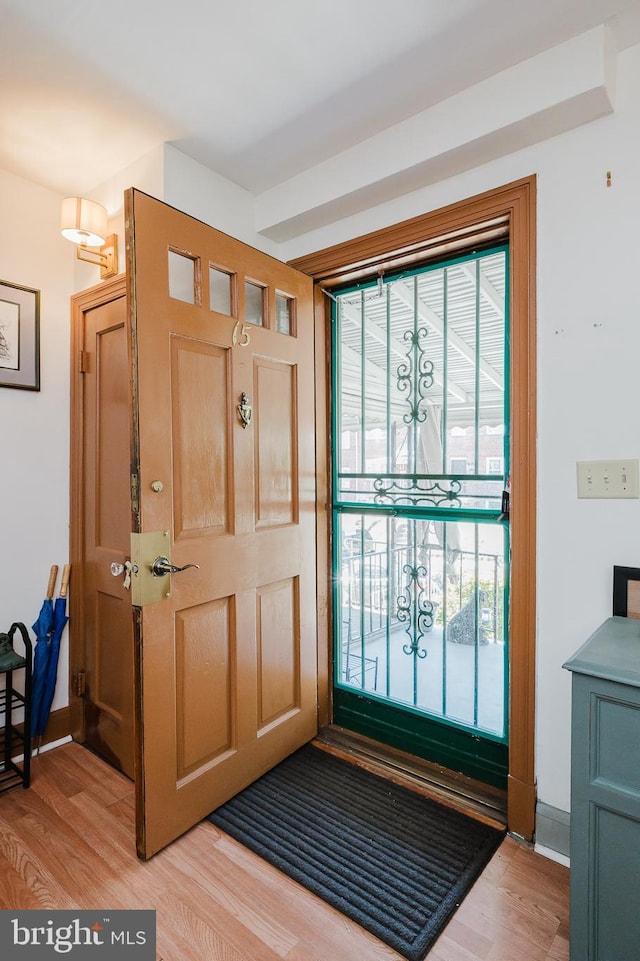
(505, 212)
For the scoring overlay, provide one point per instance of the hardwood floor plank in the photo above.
(15, 891)
(199, 939)
(559, 949)
(314, 952)
(447, 949)
(315, 921)
(18, 803)
(516, 948)
(69, 842)
(501, 861)
(39, 876)
(83, 874)
(200, 863)
(502, 922)
(82, 771)
(548, 878)
(466, 938)
(210, 922)
(125, 811)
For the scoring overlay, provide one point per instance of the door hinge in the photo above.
(79, 684)
(84, 362)
(135, 494)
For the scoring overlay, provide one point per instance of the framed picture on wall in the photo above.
(626, 592)
(19, 336)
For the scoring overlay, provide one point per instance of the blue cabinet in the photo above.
(605, 794)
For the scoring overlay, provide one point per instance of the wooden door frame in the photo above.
(510, 211)
(96, 296)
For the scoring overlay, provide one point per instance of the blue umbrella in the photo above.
(51, 675)
(42, 629)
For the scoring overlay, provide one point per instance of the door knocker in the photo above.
(237, 333)
(244, 410)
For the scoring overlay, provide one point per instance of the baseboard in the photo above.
(552, 855)
(58, 726)
(552, 832)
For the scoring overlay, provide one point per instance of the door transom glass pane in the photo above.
(284, 314)
(221, 291)
(254, 306)
(183, 277)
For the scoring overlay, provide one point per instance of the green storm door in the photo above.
(421, 530)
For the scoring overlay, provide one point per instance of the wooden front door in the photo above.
(101, 638)
(223, 386)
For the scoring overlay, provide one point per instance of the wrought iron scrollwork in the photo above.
(415, 376)
(416, 490)
(415, 610)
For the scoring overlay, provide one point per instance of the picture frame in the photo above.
(19, 336)
(626, 592)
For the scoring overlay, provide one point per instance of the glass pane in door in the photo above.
(254, 296)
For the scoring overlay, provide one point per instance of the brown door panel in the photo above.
(227, 661)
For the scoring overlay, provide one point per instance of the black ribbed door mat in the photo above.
(397, 863)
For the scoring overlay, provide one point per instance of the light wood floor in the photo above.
(68, 842)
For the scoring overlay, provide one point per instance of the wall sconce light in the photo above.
(84, 222)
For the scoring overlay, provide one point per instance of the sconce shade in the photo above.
(83, 221)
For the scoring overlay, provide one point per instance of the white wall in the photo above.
(588, 380)
(588, 395)
(555, 91)
(34, 426)
(197, 191)
(147, 174)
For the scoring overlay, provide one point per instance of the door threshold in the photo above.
(471, 797)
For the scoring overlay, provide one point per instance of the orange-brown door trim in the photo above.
(509, 210)
(322, 322)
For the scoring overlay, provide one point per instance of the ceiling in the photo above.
(257, 91)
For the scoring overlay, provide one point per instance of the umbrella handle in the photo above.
(66, 574)
(51, 586)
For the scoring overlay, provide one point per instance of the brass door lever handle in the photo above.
(162, 566)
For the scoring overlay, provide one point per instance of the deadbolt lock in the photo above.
(145, 587)
(150, 564)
